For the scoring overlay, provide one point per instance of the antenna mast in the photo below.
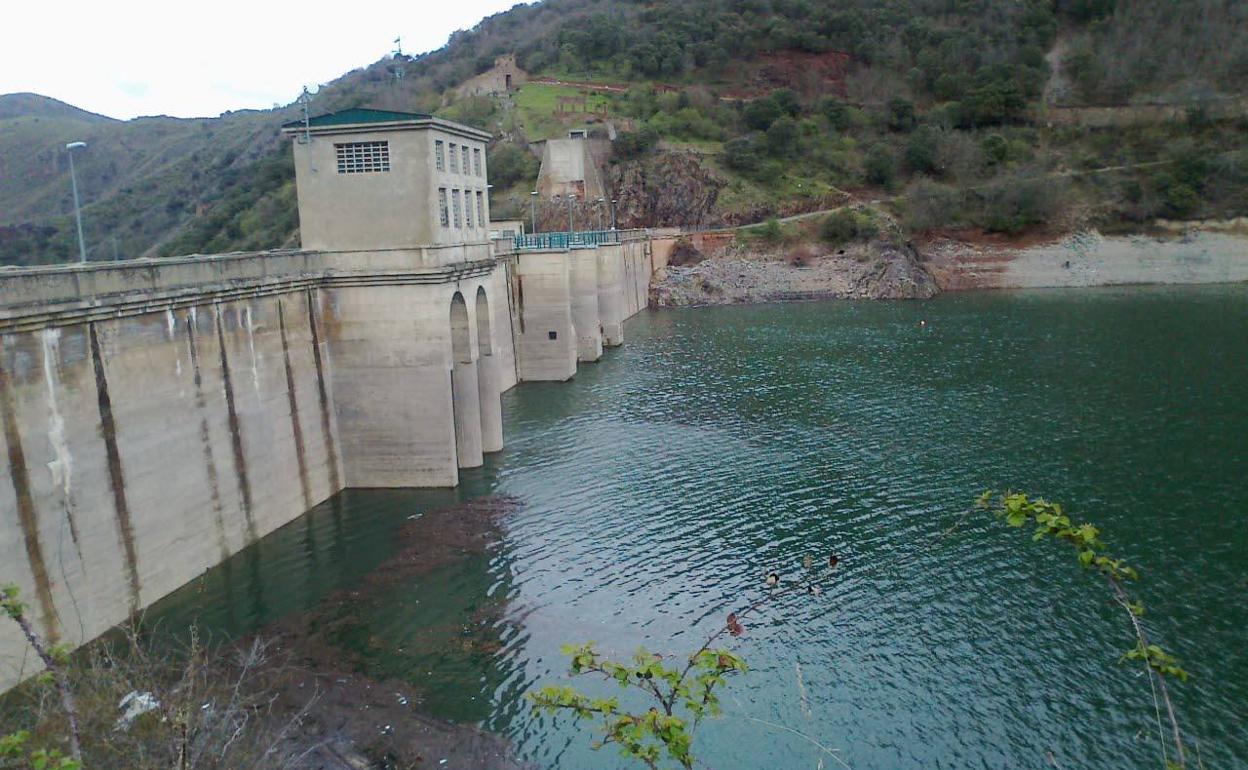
(396, 55)
(304, 98)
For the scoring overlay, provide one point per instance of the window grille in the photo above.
(454, 160)
(480, 208)
(439, 155)
(444, 215)
(459, 222)
(467, 167)
(468, 209)
(476, 161)
(362, 157)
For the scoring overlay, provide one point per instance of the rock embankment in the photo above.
(875, 271)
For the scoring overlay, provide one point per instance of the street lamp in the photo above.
(571, 229)
(599, 203)
(533, 210)
(613, 202)
(73, 181)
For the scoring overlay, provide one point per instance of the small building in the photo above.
(378, 179)
(501, 79)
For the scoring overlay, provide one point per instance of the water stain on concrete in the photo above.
(295, 428)
(205, 439)
(116, 474)
(236, 435)
(26, 514)
(327, 432)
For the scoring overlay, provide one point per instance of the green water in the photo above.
(660, 484)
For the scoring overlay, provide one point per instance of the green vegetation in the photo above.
(673, 694)
(1052, 522)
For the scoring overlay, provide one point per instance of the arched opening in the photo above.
(465, 396)
(488, 380)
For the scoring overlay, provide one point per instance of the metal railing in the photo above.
(562, 241)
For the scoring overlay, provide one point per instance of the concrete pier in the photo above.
(585, 311)
(545, 334)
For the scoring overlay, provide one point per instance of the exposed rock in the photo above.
(666, 189)
(897, 274)
(875, 271)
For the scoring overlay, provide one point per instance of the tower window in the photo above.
(476, 161)
(454, 160)
(362, 157)
(439, 155)
(444, 214)
(468, 208)
(459, 222)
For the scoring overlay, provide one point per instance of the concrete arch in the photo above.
(488, 379)
(465, 387)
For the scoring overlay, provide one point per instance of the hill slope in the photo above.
(776, 106)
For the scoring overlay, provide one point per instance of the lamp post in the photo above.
(533, 210)
(599, 203)
(571, 198)
(73, 181)
(613, 202)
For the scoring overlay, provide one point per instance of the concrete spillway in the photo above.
(159, 416)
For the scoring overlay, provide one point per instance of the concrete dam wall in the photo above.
(159, 416)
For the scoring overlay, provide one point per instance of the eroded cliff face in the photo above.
(666, 189)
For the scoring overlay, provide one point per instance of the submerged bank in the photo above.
(726, 273)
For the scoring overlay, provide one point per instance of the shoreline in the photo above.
(1204, 253)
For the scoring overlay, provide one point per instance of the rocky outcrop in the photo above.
(665, 189)
(874, 271)
(896, 274)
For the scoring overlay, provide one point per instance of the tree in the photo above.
(510, 165)
(900, 115)
(743, 154)
(761, 113)
(922, 151)
(783, 138)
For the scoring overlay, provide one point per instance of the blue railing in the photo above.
(562, 241)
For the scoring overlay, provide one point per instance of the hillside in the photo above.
(977, 114)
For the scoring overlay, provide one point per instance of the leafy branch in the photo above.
(14, 746)
(1051, 521)
(682, 693)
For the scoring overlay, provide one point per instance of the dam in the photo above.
(160, 415)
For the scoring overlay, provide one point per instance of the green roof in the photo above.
(357, 115)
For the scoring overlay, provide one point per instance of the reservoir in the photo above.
(654, 491)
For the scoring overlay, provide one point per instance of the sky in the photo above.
(125, 58)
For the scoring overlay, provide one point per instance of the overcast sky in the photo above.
(124, 58)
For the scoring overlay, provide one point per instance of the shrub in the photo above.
(839, 227)
(880, 167)
(1015, 204)
(838, 113)
(634, 144)
(1181, 201)
(843, 226)
(770, 231)
(744, 154)
(930, 205)
(510, 164)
